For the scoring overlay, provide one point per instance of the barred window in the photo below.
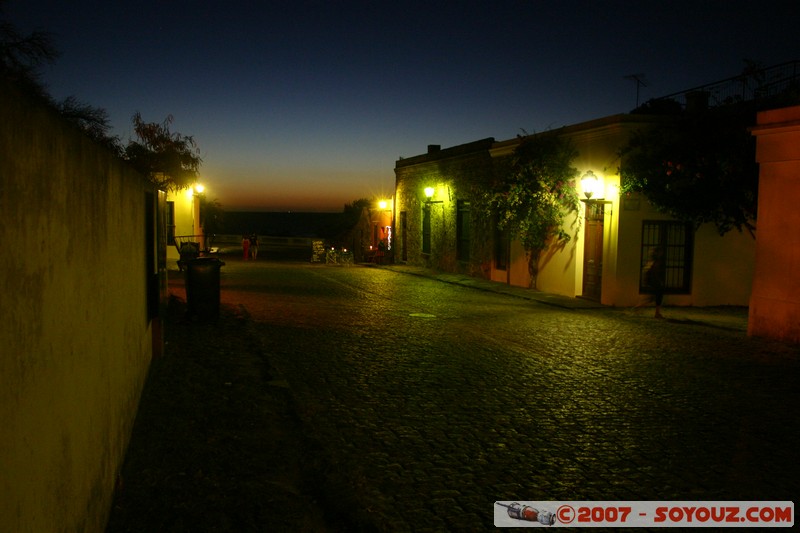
(673, 241)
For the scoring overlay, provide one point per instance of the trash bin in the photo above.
(202, 287)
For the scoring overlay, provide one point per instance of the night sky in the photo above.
(306, 106)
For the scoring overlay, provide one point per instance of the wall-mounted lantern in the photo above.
(590, 184)
(429, 192)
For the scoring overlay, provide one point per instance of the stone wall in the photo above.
(456, 174)
(74, 323)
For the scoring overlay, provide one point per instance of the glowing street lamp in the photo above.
(384, 219)
(590, 184)
(196, 193)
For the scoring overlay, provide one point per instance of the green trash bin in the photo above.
(202, 287)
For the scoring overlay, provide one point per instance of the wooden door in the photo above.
(593, 251)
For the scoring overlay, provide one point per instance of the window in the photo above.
(674, 241)
(462, 230)
(426, 229)
(501, 248)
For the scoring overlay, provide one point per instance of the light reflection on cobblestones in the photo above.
(493, 398)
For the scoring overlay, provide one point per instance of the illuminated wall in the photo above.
(775, 303)
(722, 267)
(186, 213)
(452, 174)
(76, 337)
(597, 143)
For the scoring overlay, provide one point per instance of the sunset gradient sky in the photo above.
(306, 105)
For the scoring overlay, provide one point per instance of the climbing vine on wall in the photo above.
(534, 195)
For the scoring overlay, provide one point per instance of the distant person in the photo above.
(254, 246)
(246, 247)
(654, 281)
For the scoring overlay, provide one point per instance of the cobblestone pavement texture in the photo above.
(429, 401)
(216, 445)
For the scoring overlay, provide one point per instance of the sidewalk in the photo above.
(217, 444)
(724, 317)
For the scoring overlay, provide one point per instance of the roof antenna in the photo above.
(640, 82)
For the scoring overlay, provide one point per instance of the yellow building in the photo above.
(183, 224)
(441, 225)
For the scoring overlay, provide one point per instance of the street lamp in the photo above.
(590, 184)
(383, 220)
(429, 192)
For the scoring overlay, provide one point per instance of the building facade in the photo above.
(183, 221)
(440, 230)
(449, 228)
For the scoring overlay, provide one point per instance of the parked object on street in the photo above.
(203, 287)
(189, 250)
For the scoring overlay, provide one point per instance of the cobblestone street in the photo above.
(431, 400)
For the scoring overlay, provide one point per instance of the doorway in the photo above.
(403, 238)
(593, 251)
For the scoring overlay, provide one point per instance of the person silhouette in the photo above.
(654, 278)
(253, 246)
(246, 247)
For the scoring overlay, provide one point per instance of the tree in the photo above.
(168, 159)
(535, 194)
(357, 205)
(94, 121)
(21, 56)
(698, 168)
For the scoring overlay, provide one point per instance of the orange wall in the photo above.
(775, 301)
